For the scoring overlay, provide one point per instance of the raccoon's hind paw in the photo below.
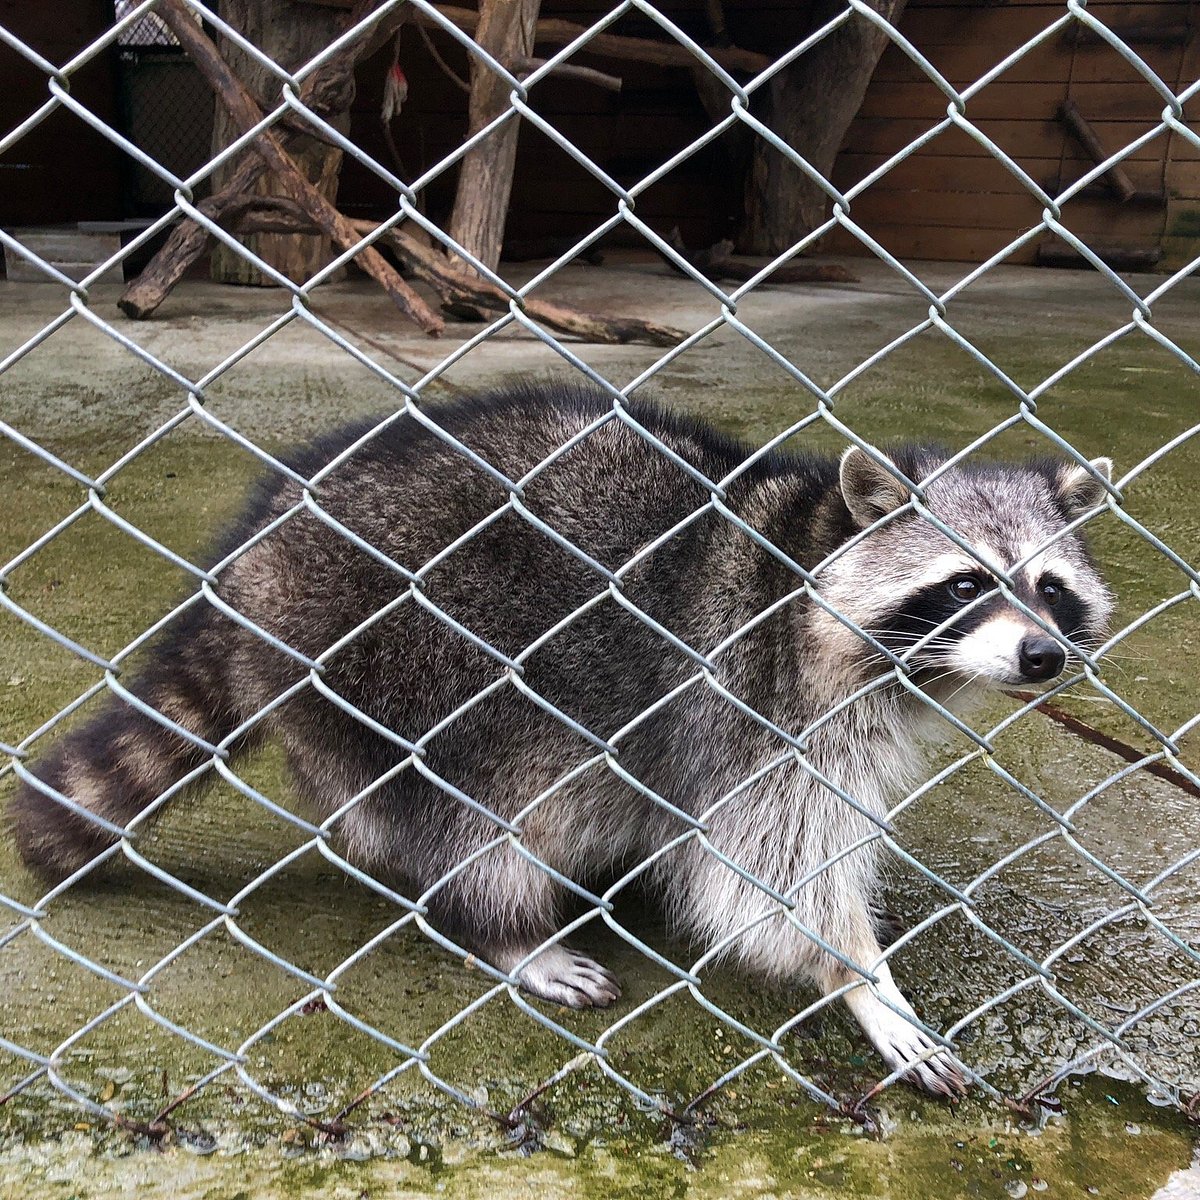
(566, 977)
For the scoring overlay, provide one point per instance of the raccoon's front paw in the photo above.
(568, 977)
(924, 1062)
(894, 1032)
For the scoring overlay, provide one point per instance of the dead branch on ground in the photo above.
(460, 291)
(1097, 737)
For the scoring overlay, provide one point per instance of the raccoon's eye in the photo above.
(1051, 591)
(965, 588)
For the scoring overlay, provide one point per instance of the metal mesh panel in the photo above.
(239, 1055)
(169, 116)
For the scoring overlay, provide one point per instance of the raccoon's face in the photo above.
(936, 605)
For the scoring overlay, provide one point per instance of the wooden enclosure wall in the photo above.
(62, 170)
(953, 200)
(950, 200)
(629, 134)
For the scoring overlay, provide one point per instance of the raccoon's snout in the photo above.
(1040, 658)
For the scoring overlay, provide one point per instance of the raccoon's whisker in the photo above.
(876, 659)
(910, 639)
(926, 683)
(885, 632)
(965, 683)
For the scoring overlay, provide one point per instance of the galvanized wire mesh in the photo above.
(1107, 1036)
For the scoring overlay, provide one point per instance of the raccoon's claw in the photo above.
(894, 1032)
(567, 977)
(926, 1063)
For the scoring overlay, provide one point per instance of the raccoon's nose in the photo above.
(1040, 658)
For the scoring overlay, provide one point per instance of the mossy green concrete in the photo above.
(1107, 1143)
(87, 401)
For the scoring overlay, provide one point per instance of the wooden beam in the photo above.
(555, 32)
(1115, 177)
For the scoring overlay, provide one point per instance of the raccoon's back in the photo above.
(476, 572)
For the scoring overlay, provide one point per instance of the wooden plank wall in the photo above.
(628, 135)
(61, 170)
(950, 200)
(953, 199)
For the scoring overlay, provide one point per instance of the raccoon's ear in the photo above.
(1079, 488)
(869, 490)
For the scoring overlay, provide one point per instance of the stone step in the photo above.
(73, 251)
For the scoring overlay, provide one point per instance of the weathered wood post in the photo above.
(810, 104)
(291, 33)
(505, 31)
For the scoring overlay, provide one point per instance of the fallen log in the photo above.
(459, 291)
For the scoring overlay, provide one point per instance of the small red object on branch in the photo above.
(395, 92)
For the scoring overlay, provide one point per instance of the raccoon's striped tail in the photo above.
(120, 761)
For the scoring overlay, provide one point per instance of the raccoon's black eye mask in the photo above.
(933, 605)
(938, 603)
(1068, 614)
(965, 588)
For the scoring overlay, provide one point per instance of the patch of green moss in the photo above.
(1106, 1142)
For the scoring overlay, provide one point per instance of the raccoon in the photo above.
(591, 656)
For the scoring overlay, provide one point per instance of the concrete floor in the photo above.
(85, 397)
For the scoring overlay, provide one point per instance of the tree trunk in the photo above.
(810, 105)
(291, 34)
(485, 177)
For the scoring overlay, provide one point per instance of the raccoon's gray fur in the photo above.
(700, 748)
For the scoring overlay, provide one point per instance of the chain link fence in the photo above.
(1103, 1035)
(167, 110)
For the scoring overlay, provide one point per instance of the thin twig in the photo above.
(1098, 738)
(447, 69)
(526, 66)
